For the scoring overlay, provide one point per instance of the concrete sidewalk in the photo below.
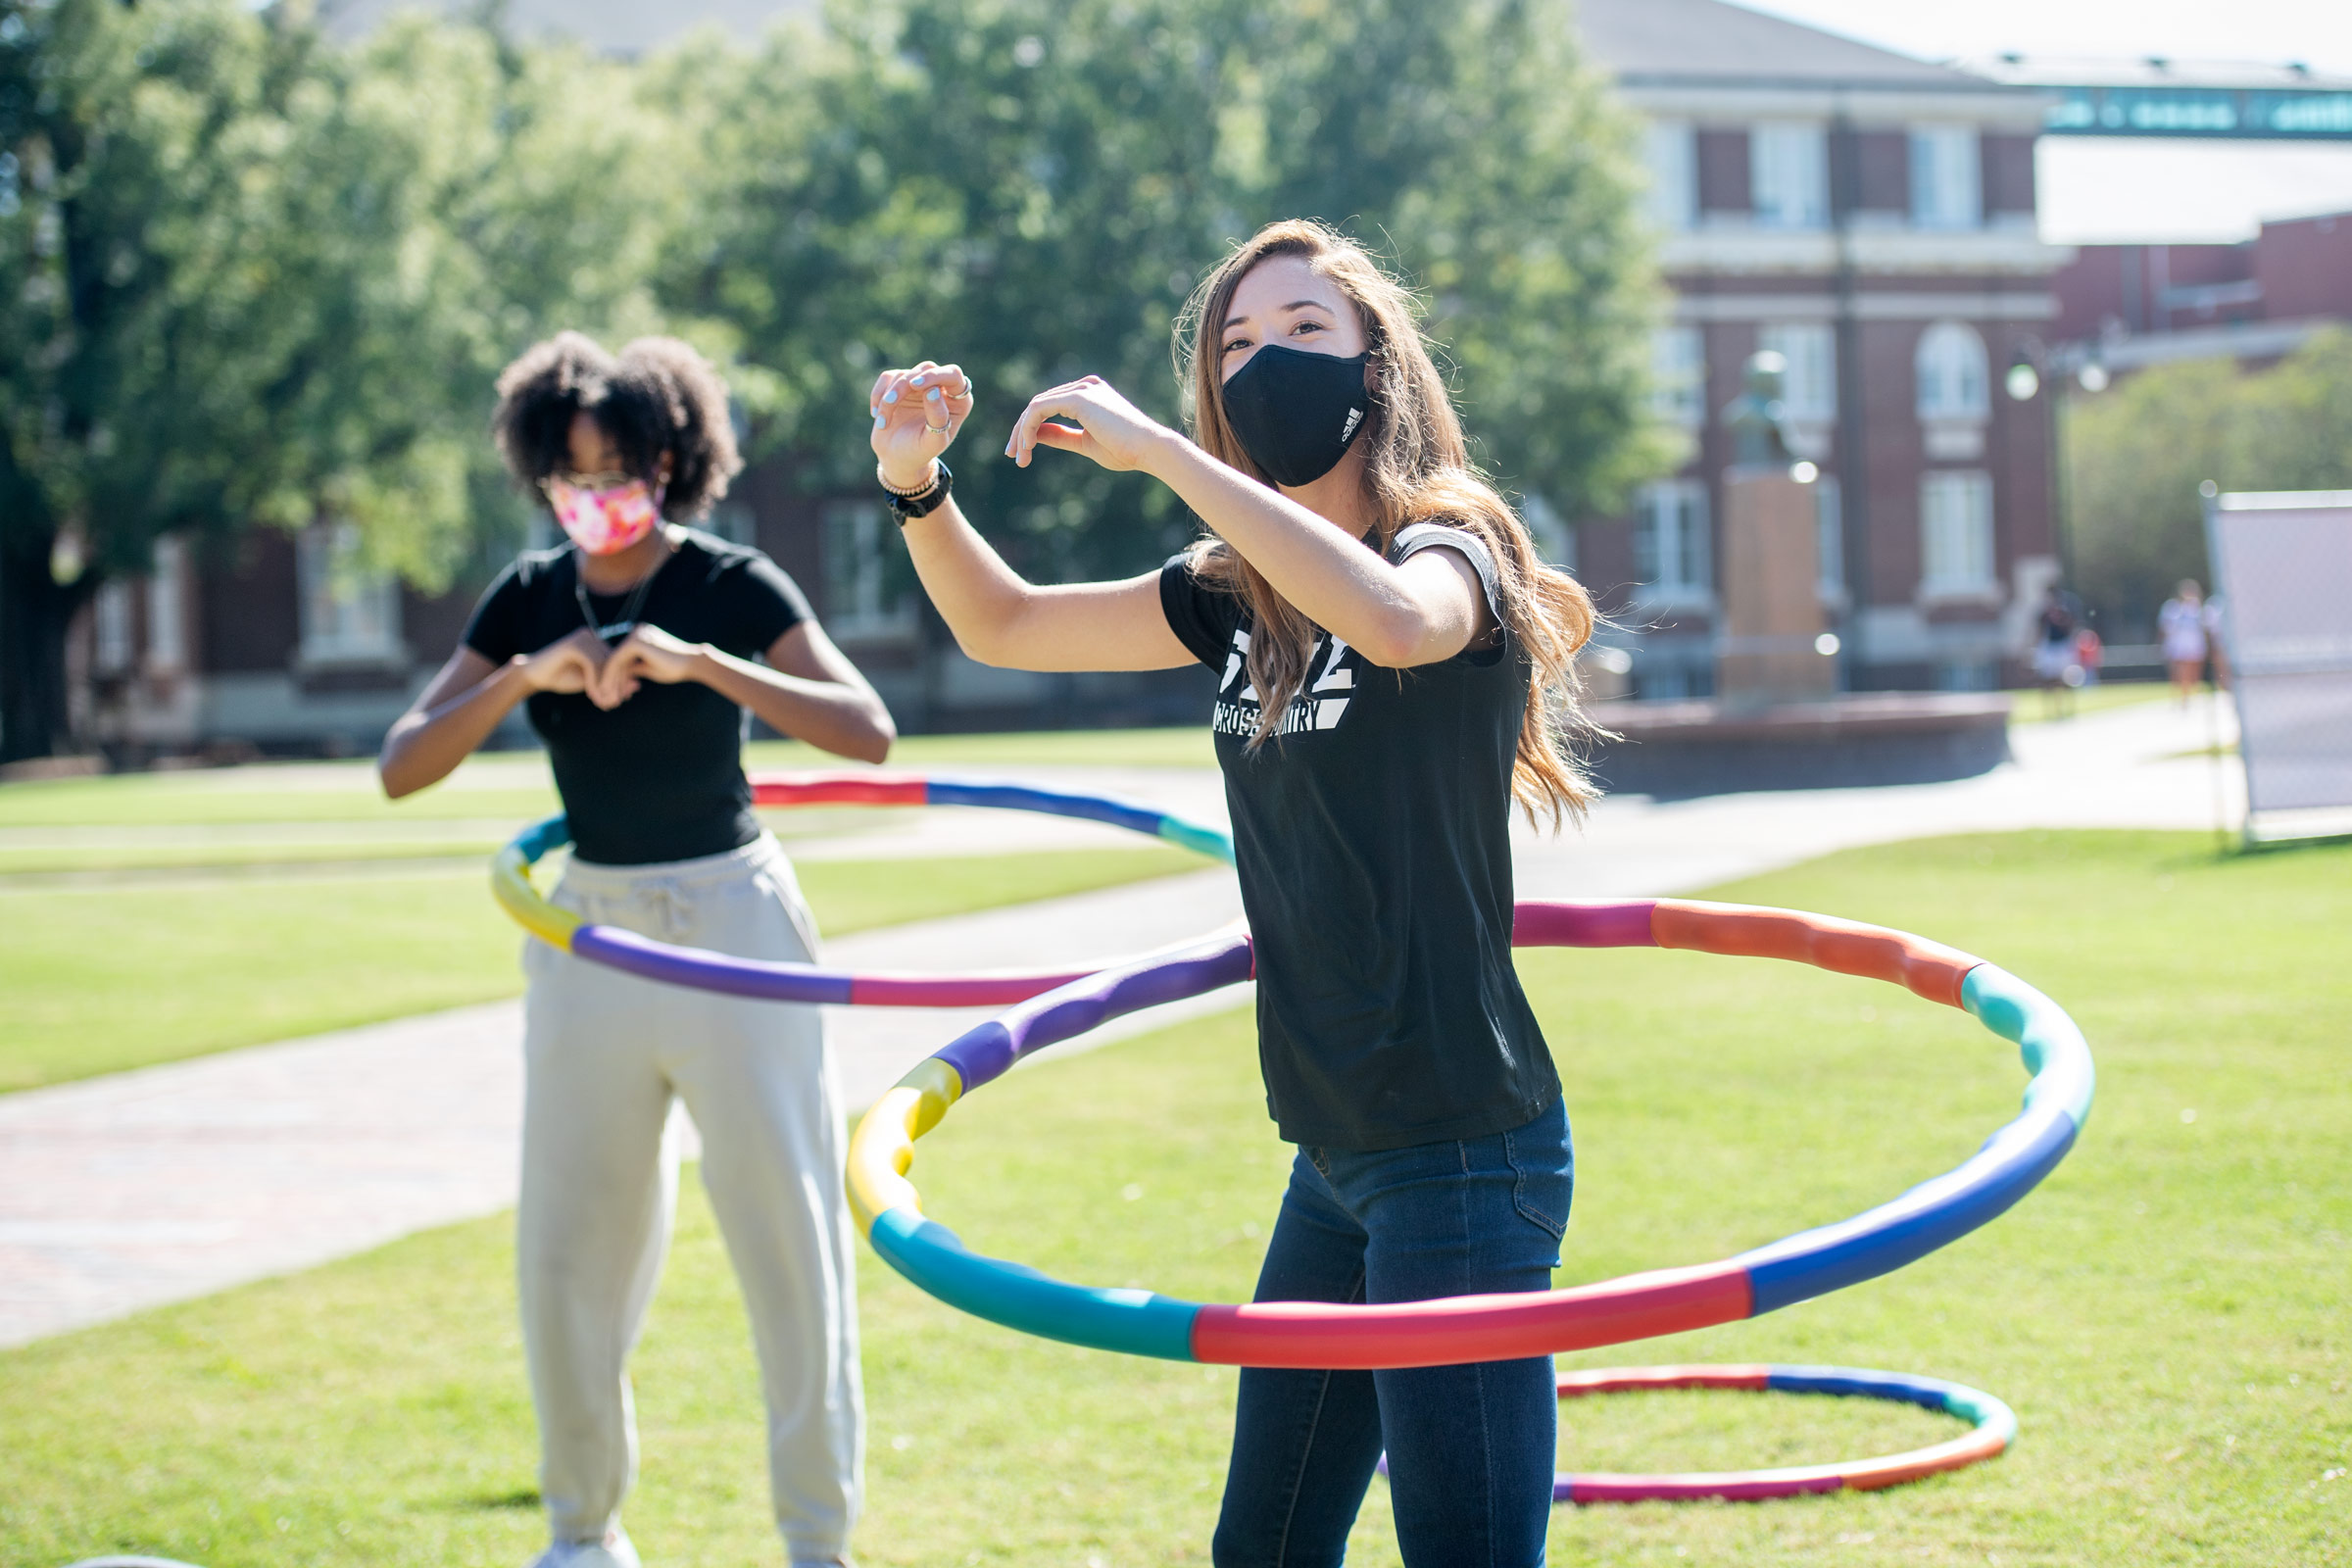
(171, 1182)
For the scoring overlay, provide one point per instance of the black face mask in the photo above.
(1296, 414)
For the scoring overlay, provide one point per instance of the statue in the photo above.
(1758, 437)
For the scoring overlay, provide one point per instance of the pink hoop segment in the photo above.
(1994, 1429)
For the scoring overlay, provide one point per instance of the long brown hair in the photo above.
(1416, 468)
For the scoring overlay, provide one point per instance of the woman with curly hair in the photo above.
(1394, 667)
(636, 649)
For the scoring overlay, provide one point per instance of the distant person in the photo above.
(2091, 654)
(2216, 644)
(635, 648)
(2057, 665)
(2180, 627)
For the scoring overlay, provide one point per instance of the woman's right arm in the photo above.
(463, 704)
(997, 615)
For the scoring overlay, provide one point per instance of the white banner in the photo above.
(2282, 565)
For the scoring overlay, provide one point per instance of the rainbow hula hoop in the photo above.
(1503, 1327)
(702, 969)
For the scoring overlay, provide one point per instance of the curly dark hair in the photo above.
(656, 396)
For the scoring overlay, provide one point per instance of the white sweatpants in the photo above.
(604, 1054)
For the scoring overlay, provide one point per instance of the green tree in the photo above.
(2138, 455)
(253, 280)
(1474, 145)
(129, 146)
(1034, 189)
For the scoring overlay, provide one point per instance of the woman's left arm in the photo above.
(1425, 609)
(807, 689)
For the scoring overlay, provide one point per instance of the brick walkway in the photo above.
(171, 1182)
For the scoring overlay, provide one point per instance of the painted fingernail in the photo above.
(921, 381)
(880, 421)
(932, 395)
(891, 396)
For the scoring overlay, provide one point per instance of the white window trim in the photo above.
(166, 608)
(860, 615)
(1829, 539)
(1814, 215)
(1677, 364)
(1978, 582)
(363, 624)
(112, 643)
(1968, 213)
(1690, 594)
(1810, 349)
(1671, 149)
(1964, 411)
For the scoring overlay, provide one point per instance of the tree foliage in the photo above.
(1033, 191)
(251, 279)
(2138, 455)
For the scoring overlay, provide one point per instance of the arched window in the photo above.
(1952, 380)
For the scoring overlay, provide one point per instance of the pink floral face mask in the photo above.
(604, 518)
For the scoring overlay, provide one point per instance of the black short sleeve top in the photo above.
(1373, 844)
(661, 777)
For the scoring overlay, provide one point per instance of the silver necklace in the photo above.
(629, 610)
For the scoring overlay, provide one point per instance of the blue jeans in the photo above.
(1471, 1448)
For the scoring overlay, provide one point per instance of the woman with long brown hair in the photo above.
(1395, 669)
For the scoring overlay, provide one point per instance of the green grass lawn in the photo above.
(514, 785)
(96, 979)
(2167, 1313)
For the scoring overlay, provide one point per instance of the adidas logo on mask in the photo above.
(1355, 418)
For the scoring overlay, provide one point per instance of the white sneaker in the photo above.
(613, 1551)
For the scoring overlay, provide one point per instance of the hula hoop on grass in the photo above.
(1992, 1425)
(1498, 1327)
(702, 969)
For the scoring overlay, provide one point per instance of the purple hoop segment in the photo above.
(1501, 1327)
(702, 969)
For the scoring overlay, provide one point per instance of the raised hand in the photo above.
(917, 414)
(1090, 418)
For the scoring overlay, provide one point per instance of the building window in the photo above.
(1809, 387)
(1555, 541)
(1673, 551)
(1947, 186)
(1952, 380)
(1672, 146)
(1789, 177)
(1828, 535)
(167, 619)
(732, 521)
(1678, 376)
(1955, 528)
(858, 600)
(350, 611)
(109, 627)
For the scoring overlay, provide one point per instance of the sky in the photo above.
(2109, 191)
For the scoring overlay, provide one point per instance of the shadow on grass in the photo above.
(526, 1498)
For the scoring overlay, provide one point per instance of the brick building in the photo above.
(1869, 216)
(2127, 307)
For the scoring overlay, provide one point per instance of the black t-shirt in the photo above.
(660, 777)
(1373, 844)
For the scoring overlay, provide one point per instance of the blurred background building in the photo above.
(1869, 216)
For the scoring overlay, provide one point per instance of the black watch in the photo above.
(925, 501)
